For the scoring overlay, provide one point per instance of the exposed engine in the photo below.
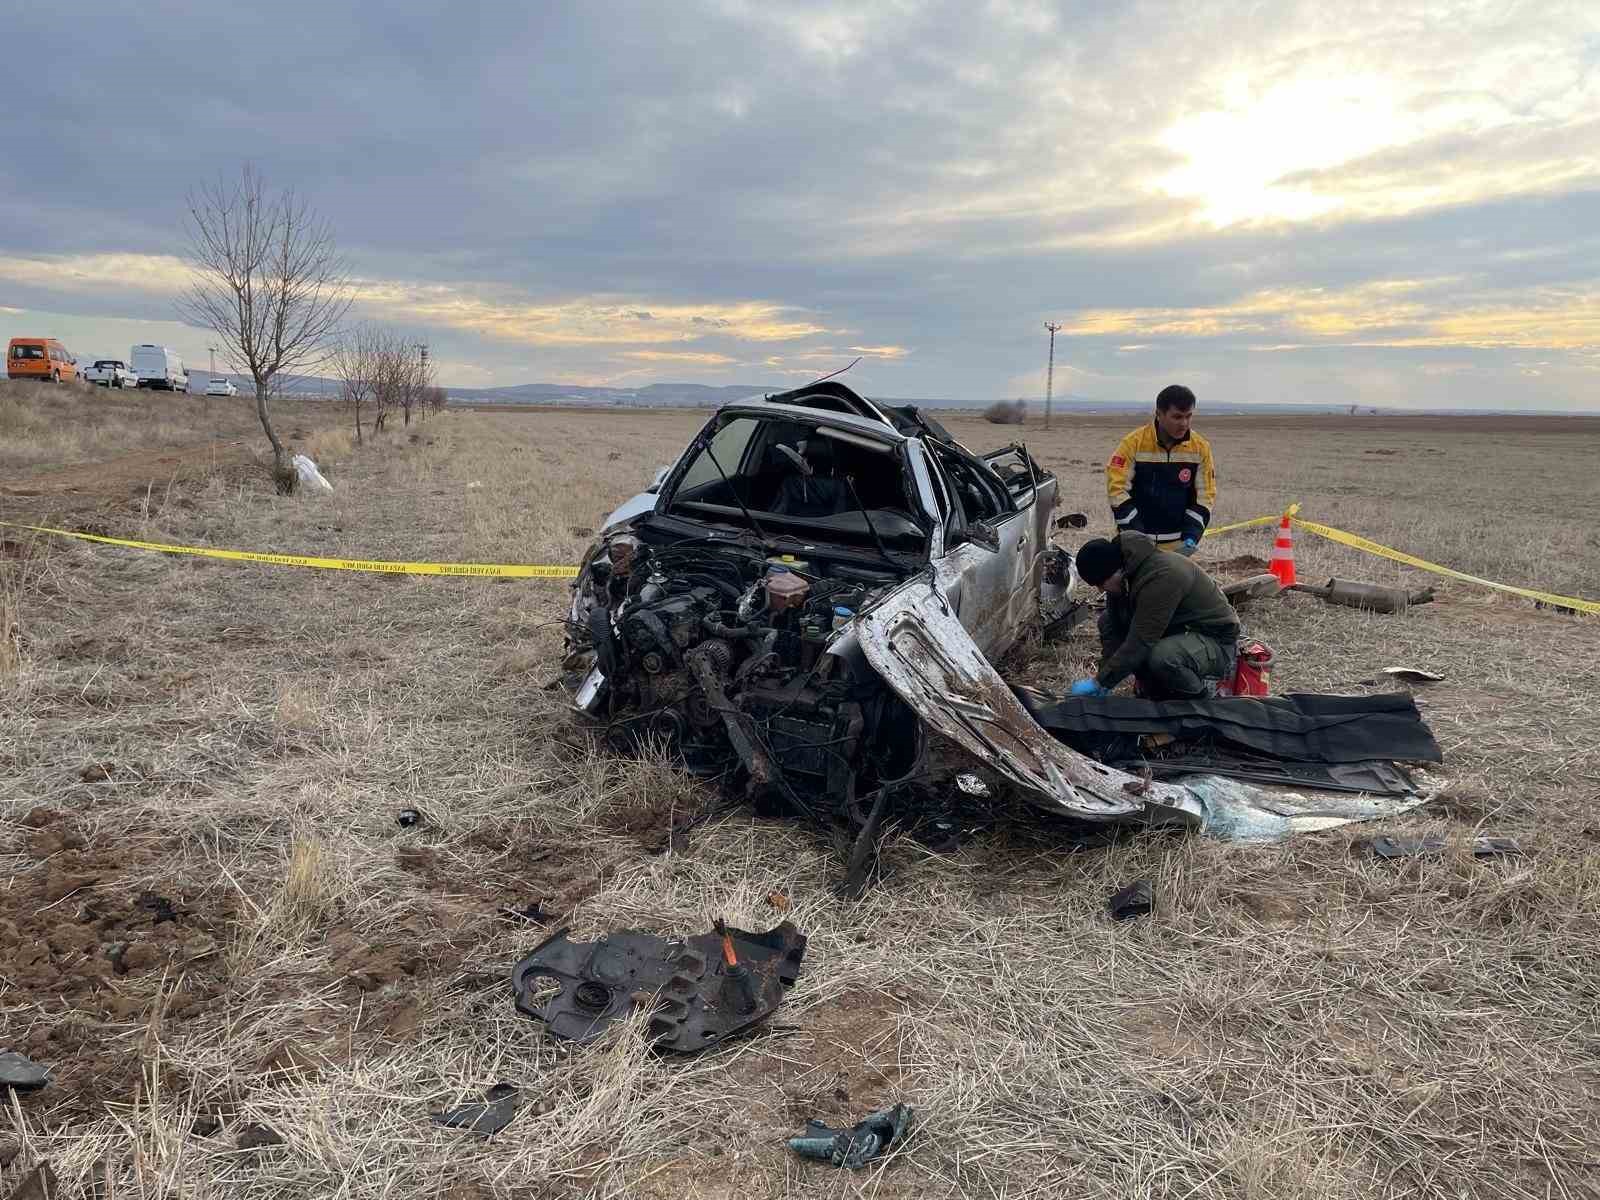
(733, 660)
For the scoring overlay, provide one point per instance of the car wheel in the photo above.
(55, 376)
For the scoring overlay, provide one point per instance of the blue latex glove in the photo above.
(1086, 687)
(1189, 547)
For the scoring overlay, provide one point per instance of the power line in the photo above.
(1050, 373)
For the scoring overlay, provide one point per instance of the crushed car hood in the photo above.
(918, 646)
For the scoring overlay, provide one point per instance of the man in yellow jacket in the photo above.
(1161, 480)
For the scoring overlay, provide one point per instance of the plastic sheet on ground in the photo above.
(308, 473)
(1237, 812)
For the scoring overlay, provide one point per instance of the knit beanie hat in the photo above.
(1098, 561)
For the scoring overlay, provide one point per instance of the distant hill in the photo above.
(701, 395)
(656, 395)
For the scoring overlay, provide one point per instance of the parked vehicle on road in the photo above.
(221, 385)
(40, 358)
(159, 368)
(110, 372)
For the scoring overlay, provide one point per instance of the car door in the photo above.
(1033, 491)
(965, 573)
(992, 553)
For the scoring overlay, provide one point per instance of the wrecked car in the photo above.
(810, 604)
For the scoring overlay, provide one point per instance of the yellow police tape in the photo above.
(1360, 543)
(549, 571)
(380, 566)
(1250, 524)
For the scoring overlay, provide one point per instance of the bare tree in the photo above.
(434, 398)
(268, 282)
(355, 360)
(394, 375)
(418, 376)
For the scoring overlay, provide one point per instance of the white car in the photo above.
(221, 385)
(839, 576)
(159, 368)
(110, 372)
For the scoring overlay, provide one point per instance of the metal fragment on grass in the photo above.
(22, 1074)
(494, 1113)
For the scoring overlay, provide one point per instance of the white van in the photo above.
(158, 367)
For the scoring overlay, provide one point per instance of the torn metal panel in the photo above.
(696, 996)
(918, 645)
(1256, 587)
(1238, 812)
(491, 1115)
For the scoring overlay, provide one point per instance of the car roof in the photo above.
(765, 409)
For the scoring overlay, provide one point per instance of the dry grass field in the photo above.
(211, 921)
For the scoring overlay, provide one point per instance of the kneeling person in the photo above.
(1166, 622)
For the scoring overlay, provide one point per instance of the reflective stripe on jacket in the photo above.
(1167, 493)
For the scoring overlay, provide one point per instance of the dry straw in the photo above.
(1292, 1022)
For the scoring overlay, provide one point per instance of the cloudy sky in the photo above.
(1382, 203)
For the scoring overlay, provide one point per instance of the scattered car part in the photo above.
(855, 1147)
(696, 995)
(864, 851)
(22, 1074)
(1396, 846)
(407, 817)
(491, 1115)
(1372, 597)
(1413, 675)
(1236, 812)
(533, 913)
(1138, 899)
(915, 641)
(1256, 587)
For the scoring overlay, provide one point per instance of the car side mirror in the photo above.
(982, 535)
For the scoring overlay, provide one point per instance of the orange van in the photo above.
(40, 358)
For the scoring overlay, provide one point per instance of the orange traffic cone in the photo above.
(1282, 564)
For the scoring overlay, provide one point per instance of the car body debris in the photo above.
(1370, 597)
(22, 1074)
(1413, 675)
(809, 630)
(491, 1115)
(1397, 846)
(1138, 899)
(1257, 587)
(809, 605)
(853, 1148)
(699, 990)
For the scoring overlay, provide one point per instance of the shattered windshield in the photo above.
(790, 476)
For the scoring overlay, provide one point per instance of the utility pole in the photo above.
(1050, 374)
